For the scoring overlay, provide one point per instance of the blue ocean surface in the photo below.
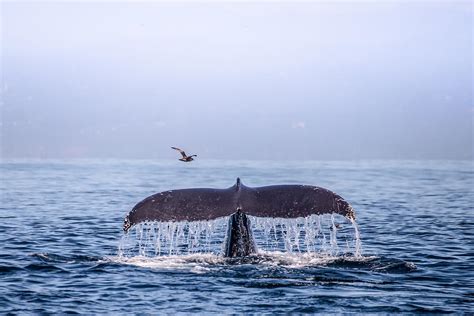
(61, 237)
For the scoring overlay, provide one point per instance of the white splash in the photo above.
(209, 263)
(196, 263)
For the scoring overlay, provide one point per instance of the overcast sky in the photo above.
(321, 80)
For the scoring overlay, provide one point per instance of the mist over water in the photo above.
(323, 80)
(62, 231)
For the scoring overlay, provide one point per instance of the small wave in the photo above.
(42, 267)
(5, 269)
(376, 264)
(396, 267)
(54, 258)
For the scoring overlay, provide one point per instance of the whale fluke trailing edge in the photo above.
(238, 201)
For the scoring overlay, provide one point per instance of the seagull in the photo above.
(185, 157)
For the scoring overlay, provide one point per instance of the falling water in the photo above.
(358, 243)
(328, 234)
(174, 238)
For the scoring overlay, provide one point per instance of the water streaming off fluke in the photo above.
(327, 234)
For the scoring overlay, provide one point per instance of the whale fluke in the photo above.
(277, 201)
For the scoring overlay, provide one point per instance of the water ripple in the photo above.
(61, 227)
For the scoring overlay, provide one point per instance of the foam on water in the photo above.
(196, 263)
(206, 262)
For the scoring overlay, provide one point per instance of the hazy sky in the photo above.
(321, 80)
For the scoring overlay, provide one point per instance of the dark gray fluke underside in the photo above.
(277, 201)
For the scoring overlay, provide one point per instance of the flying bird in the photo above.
(185, 158)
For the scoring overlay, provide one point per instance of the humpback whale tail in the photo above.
(238, 201)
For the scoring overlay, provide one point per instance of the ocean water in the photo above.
(61, 231)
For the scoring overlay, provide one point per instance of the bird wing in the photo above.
(181, 151)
